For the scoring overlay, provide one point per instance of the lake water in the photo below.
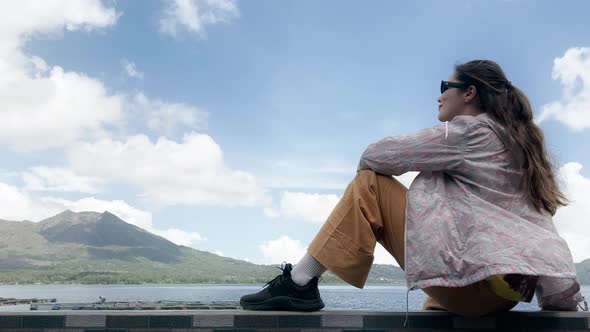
(386, 298)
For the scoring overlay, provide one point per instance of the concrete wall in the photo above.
(242, 320)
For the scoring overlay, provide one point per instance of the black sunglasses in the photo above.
(444, 85)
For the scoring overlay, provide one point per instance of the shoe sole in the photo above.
(284, 303)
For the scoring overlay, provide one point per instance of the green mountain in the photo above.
(583, 271)
(98, 248)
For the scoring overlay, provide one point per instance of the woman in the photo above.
(474, 231)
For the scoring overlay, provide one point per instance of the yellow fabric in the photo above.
(502, 289)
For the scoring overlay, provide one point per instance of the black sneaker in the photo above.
(284, 294)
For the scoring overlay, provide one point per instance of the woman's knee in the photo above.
(365, 181)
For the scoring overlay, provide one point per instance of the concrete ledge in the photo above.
(325, 320)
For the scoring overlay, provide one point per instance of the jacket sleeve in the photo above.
(432, 149)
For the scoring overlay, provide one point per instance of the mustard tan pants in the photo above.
(371, 210)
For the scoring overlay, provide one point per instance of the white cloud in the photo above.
(46, 106)
(573, 72)
(194, 15)
(27, 17)
(282, 249)
(43, 178)
(189, 172)
(53, 108)
(180, 237)
(307, 207)
(166, 118)
(131, 69)
(572, 220)
(19, 205)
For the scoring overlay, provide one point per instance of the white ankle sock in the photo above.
(307, 268)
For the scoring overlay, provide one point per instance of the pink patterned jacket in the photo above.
(468, 216)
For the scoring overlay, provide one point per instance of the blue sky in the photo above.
(234, 126)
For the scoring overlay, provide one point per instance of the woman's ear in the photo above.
(470, 94)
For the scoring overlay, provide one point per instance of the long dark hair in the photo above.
(510, 107)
